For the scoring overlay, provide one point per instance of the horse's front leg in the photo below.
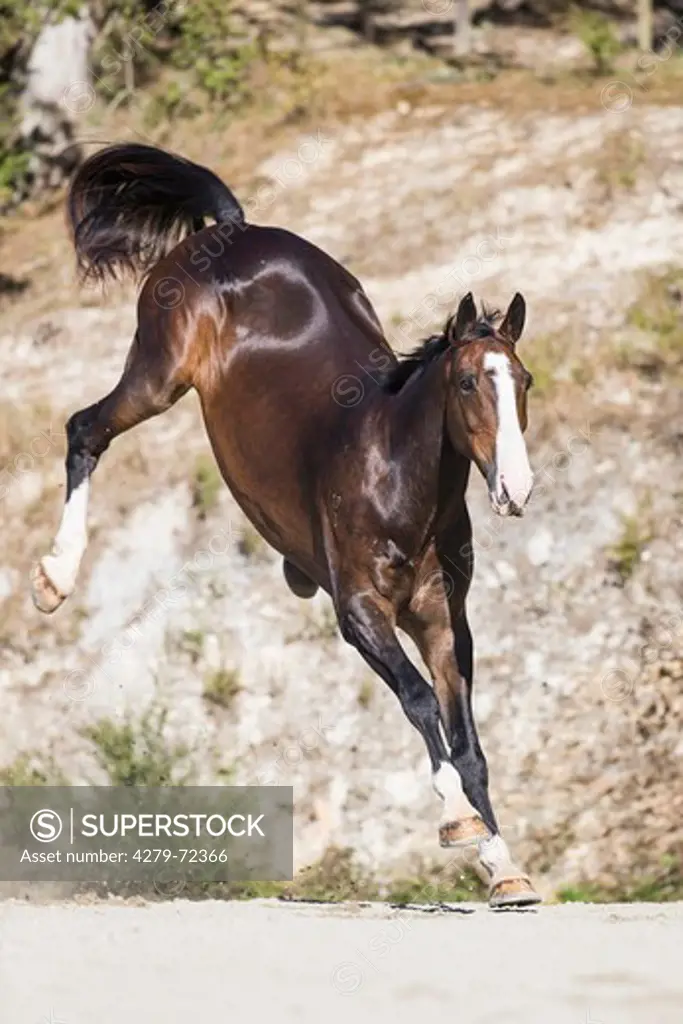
(445, 642)
(366, 621)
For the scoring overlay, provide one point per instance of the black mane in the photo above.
(434, 346)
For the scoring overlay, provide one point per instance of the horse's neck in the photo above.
(454, 474)
(438, 474)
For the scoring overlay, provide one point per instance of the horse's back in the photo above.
(265, 298)
(272, 279)
(281, 332)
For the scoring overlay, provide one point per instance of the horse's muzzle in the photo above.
(505, 504)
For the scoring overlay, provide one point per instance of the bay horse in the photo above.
(362, 496)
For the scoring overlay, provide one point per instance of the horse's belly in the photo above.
(265, 474)
(275, 424)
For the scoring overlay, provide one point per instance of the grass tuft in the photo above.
(434, 887)
(658, 317)
(222, 687)
(206, 486)
(366, 692)
(250, 543)
(625, 555)
(192, 643)
(664, 885)
(30, 769)
(137, 753)
(620, 160)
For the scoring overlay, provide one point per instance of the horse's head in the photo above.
(487, 400)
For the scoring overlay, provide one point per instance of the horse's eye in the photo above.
(528, 381)
(468, 384)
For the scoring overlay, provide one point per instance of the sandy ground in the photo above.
(175, 962)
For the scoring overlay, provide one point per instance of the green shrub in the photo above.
(168, 104)
(597, 35)
(137, 753)
(31, 770)
(13, 171)
(209, 47)
(663, 885)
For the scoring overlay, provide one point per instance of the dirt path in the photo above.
(178, 962)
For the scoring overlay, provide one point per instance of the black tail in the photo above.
(130, 204)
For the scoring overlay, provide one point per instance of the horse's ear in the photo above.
(463, 319)
(513, 324)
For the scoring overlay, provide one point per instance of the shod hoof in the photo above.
(45, 595)
(513, 892)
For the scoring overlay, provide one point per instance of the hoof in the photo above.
(45, 595)
(513, 892)
(467, 832)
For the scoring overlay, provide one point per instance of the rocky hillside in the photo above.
(576, 609)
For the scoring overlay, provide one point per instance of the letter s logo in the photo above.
(46, 826)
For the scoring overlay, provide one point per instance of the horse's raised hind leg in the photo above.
(147, 388)
(462, 782)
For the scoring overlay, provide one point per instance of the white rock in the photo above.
(7, 583)
(539, 548)
(506, 572)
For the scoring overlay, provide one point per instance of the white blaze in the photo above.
(512, 470)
